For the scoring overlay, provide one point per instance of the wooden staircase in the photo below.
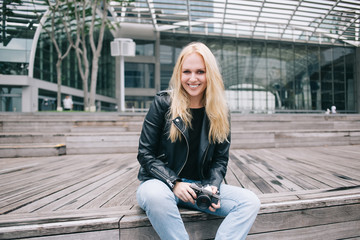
(51, 134)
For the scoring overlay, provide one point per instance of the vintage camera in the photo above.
(204, 196)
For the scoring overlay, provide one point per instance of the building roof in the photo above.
(313, 21)
(316, 21)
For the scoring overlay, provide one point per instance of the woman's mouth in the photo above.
(193, 85)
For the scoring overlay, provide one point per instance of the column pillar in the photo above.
(357, 79)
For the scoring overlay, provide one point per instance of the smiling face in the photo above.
(193, 78)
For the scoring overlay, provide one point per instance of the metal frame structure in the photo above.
(313, 21)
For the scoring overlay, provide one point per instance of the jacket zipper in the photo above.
(203, 161)
(187, 153)
(163, 176)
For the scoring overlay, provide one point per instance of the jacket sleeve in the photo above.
(150, 142)
(219, 164)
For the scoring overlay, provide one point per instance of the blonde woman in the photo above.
(184, 151)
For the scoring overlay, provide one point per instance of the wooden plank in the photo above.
(306, 217)
(56, 228)
(289, 169)
(323, 203)
(93, 235)
(263, 186)
(31, 200)
(138, 227)
(120, 187)
(242, 178)
(314, 171)
(197, 224)
(307, 194)
(24, 219)
(277, 180)
(126, 197)
(230, 177)
(298, 166)
(59, 200)
(47, 171)
(42, 187)
(86, 196)
(280, 165)
(67, 182)
(342, 230)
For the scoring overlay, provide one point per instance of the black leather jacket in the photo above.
(160, 158)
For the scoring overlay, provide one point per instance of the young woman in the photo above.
(186, 139)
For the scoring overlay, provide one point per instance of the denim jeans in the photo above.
(239, 206)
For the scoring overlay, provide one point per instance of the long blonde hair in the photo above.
(214, 98)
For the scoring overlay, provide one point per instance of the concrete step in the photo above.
(70, 126)
(88, 123)
(281, 125)
(35, 137)
(126, 142)
(31, 150)
(303, 138)
(114, 133)
(38, 126)
(102, 143)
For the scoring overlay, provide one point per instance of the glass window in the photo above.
(138, 102)
(264, 76)
(144, 47)
(326, 77)
(10, 99)
(14, 53)
(301, 85)
(275, 84)
(349, 78)
(313, 68)
(139, 75)
(166, 54)
(228, 64)
(339, 78)
(47, 100)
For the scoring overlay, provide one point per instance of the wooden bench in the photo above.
(325, 214)
(306, 193)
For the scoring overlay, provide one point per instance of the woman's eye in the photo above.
(201, 72)
(186, 71)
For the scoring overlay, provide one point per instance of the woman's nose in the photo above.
(193, 77)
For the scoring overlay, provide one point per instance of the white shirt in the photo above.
(67, 103)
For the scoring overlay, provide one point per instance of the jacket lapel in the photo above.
(181, 126)
(204, 139)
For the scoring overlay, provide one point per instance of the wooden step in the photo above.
(320, 214)
(119, 133)
(306, 193)
(34, 137)
(32, 150)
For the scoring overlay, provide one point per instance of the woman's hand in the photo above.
(214, 206)
(183, 191)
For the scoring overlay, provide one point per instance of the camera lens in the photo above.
(203, 201)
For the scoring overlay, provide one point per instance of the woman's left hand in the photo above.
(214, 206)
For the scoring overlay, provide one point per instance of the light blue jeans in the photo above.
(239, 206)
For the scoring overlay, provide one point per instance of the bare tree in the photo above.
(81, 19)
(96, 49)
(58, 16)
(90, 17)
(80, 45)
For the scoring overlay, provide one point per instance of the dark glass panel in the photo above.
(326, 77)
(145, 47)
(139, 75)
(314, 76)
(10, 99)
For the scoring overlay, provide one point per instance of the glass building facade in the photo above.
(269, 76)
(303, 61)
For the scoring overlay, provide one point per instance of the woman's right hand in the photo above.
(183, 191)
